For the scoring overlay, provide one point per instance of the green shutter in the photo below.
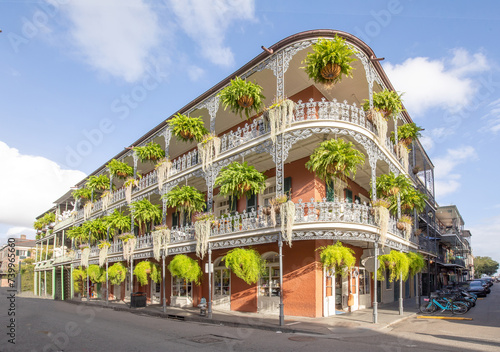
(330, 192)
(287, 186)
(175, 219)
(29, 254)
(252, 203)
(348, 195)
(17, 252)
(233, 204)
(357, 199)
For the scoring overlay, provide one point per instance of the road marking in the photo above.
(450, 318)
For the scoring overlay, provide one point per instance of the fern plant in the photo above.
(117, 273)
(330, 60)
(185, 268)
(145, 212)
(417, 262)
(150, 152)
(247, 264)
(407, 133)
(82, 193)
(117, 221)
(96, 274)
(187, 129)
(390, 184)
(242, 96)
(145, 268)
(396, 263)
(186, 199)
(94, 229)
(337, 257)
(238, 179)
(79, 277)
(120, 169)
(97, 183)
(388, 102)
(412, 198)
(335, 158)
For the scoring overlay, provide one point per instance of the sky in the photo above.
(82, 79)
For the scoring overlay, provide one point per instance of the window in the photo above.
(268, 194)
(348, 195)
(387, 282)
(269, 283)
(287, 186)
(181, 288)
(364, 282)
(176, 219)
(252, 203)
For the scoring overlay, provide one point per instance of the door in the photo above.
(329, 293)
(221, 286)
(341, 291)
(354, 283)
(155, 292)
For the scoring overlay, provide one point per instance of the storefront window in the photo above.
(364, 282)
(221, 282)
(181, 288)
(269, 283)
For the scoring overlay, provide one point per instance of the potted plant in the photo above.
(247, 264)
(279, 117)
(96, 274)
(186, 199)
(129, 241)
(412, 198)
(185, 268)
(238, 179)
(329, 61)
(82, 193)
(407, 133)
(381, 210)
(396, 263)
(145, 268)
(417, 262)
(150, 152)
(388, 102)
(120, 169)
(335, 158)
(390, 184)
(208, 150)
(162, 168)
(161, 239)
(405, 224)
(187, 129)
(145, 212)
(117, 273)
(202, 227)
(337, 257)
(103, 251)
(79, 277)
(97, 183)
(117, 221)
(242, 96)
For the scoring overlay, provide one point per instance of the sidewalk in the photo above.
(388, 314)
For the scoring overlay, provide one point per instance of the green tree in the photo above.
(485, 265)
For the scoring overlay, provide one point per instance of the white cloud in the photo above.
(206, 22)
(429, 138)
(195, 73)
(29, 185)
(485, 239)
(492, 118)
(446, 181)
(443, 83)
(115, 36)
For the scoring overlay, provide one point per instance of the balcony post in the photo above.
(163, 279)
(35, 286)
(71, 289)
(280, 247)
(401, 294)
(209, 311)
(375, 293)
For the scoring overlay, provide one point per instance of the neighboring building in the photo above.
(454, 260)
(23, 248)
(323, 215)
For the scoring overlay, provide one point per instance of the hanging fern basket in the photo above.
(330, 71)
(186, 135)
(245, 101)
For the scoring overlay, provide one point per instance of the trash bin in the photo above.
(137, 299)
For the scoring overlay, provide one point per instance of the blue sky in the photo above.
(81, 80)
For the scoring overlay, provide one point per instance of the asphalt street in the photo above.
(46, 325)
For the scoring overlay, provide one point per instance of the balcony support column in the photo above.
(35, 286)
(375, 293)
(72, 283)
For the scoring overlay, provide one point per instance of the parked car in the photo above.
(478, 288)
(482, 282)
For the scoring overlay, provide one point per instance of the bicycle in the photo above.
(432, 304)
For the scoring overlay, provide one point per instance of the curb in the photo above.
(399, 320)
(198, 319)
